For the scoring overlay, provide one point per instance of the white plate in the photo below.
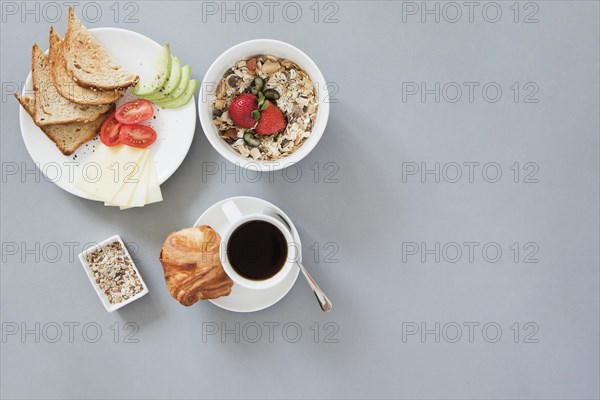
(175, 127)
(243, 299)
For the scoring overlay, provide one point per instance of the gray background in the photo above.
(369, 213)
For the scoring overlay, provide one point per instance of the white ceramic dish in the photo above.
(242, 299)
(83, 258)
(175, 127)
(245, 50)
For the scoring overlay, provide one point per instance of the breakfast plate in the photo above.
(175, 127)
(242, 299)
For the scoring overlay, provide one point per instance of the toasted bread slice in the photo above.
(67, 137)
(50, 107)
(66, 86)
(88, 62)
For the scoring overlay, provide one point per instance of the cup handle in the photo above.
(232, 212)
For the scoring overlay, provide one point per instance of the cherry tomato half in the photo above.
(109, 133)
(137, 135)
(135, 111)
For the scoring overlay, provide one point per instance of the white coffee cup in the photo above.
(237, 218)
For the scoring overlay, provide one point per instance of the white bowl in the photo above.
(83, 258)
(246, 50)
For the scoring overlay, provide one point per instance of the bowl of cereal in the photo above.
(264, 104)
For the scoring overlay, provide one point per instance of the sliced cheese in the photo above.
(153, 193)
(107, 170)
(138, 198)
(137, 180)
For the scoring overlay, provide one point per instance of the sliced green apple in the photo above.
(171, 84)
(183, 98)
(163, 72)
(186, 73)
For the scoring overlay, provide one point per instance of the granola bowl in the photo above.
(290, 80)
(112, 273)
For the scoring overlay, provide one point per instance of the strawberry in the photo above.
(271, 121)
(240, 110)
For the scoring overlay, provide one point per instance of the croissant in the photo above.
(193, 270)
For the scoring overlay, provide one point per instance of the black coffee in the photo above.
(257, 250)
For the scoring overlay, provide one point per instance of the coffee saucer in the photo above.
(242, 299)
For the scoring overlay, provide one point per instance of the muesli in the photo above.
(265, 107)
(113, 272)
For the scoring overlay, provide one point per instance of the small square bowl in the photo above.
(83, 258)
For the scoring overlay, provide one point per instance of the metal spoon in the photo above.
(321, 298)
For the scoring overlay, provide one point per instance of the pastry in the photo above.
(191, 264)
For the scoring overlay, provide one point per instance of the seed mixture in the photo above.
(113, 272)
(286, 85)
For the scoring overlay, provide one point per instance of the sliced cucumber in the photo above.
(172, 82)
(163, 71)
(183, 99)
(251, 140)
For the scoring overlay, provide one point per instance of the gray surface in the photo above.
(369, 213)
